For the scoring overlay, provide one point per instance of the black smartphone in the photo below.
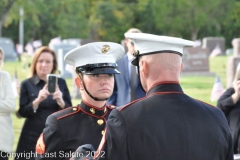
(52, 82)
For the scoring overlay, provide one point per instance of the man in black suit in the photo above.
(167, 124)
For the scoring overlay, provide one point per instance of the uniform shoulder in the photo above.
(131, 104)
(210, 107)
(66, 112)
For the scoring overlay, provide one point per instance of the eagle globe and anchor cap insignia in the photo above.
(105, 48)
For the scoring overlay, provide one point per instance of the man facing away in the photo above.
(167, 124)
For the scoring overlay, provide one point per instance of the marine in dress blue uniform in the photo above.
(166, 124)
(67, 129)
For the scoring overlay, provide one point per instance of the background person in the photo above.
(36, 103)
(229, 103)
(65, 130)
(7, 106)
(167, 124)
(127, 86)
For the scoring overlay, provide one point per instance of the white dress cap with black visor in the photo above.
(95, 58)
(146, 44)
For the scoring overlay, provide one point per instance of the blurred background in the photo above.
(63, 25)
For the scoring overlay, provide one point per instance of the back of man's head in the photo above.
(164, 65)
(134, 30)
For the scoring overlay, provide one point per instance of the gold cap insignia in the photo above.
(92, 110)
(105, 48)
(100, 121)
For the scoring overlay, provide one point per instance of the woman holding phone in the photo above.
(229, 103)
(37, 103)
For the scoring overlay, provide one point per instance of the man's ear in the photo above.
(144, 68)
(78, 82)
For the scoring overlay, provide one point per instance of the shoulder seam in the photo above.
(69, 113)
(155, 93)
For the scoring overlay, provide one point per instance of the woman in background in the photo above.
(36, 103)
(229, 103)
(7, 106)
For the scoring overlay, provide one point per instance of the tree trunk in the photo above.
(1, 28)
(4, 13)
(194, 35)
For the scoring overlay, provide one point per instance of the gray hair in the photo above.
(134, 30)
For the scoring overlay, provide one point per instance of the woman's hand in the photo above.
(57, 95)
(42, 95)
(236, 95)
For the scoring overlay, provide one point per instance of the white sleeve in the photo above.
(7, 100)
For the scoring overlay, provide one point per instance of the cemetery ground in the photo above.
(198, 87)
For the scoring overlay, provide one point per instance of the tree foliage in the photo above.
(108, 20)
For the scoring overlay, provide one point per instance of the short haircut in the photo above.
(134, 30)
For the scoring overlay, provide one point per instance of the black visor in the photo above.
(137, 54)
(98, 68)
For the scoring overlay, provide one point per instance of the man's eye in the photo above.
(110, 75)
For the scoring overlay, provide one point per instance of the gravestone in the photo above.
(236, 47)
(7, 46)
(61, 50)
(213, 42)
(68, 72)
(196, 61)
(233, 62)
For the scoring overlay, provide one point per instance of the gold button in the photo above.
(103, 132)
(105, 109)
(100, 121)
(74, 109)
(92, 110)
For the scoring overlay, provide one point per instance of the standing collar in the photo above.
(93, 110)
(36, 79)
(165, 87)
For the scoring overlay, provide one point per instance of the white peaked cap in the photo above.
(147, 43)
(94, 53)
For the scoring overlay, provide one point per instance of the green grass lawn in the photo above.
(198, 87)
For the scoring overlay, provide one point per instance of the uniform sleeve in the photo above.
(230, 148)
(66, 95)
(114, 143)
(26, 107)
(225, 102)
(8, 103)
(50, 143)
